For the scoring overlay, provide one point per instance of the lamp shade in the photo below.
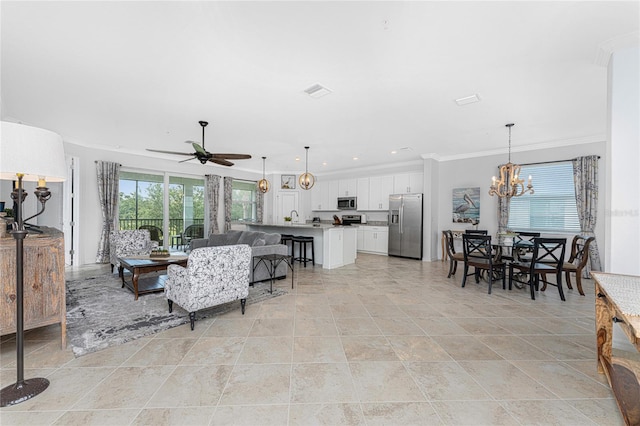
(37, 153)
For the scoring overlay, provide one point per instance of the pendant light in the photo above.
(263, 184)
(510, 184)
(306, 179)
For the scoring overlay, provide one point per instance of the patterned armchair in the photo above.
(213, 276)
(129, 243)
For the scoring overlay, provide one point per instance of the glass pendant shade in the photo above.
(306, 180)
(263, 184)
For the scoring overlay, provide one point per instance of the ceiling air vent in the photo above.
(468, 100)
(317, 91)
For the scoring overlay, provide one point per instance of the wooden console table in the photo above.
(618, 300)
(44, 282)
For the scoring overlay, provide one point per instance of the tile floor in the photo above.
(386, 341)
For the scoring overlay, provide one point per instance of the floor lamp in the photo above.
(27, 154)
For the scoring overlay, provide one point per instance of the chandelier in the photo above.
(510, 184)
(306, 179)
(263, 184)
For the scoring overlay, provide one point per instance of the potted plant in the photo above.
(287, 220)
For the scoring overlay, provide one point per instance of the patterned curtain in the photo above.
(212, 195)
(228, 181)
(503, 211)
(585, 177)
(108, 192)
(259, 206)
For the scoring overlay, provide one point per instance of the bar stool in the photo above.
(302, 249)
(286, 239)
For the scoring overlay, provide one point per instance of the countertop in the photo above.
(304, 225)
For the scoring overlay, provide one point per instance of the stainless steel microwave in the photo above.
(347, 203)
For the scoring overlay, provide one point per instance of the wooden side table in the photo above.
(618, 301)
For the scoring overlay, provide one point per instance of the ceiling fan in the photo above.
(203, 155)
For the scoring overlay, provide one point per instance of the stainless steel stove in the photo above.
(351, 219)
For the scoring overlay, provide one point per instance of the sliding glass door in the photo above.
(143, 201)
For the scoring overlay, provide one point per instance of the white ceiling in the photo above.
(133, 75)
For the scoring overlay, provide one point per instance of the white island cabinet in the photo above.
(334, 246)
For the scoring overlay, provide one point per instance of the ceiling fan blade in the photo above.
(221, 161)
(170, 152)
(188, 159)
(199, 149)
(232, 156)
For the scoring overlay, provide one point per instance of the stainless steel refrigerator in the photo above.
(405, 225)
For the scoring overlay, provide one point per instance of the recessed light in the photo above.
(324, 163)
(317, 91)
(468, 100)
(297, 158)
(394, 152)
(355, 158)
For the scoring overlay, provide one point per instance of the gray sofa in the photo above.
(260, 243)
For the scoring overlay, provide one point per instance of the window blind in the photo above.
(552, 207)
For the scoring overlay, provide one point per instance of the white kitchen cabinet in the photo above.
(333, 194)
(375, 239)
(380, 187)
(321, 199)
(407, 183)
(349, 246)
(333, 248)
(360, 244)
(348, 188)
(363, 193)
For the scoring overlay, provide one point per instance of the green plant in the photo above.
(9, 212)
(287, 219)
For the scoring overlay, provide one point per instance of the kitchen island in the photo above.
(335, 246)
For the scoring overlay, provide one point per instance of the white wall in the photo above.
(622, 193)
(477, 172)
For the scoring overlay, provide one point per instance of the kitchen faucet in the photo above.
(291, 215)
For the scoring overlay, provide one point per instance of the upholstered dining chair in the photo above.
(213, 276)
(578, 260)
(454, 257)
(478, 254)
(124, 243)
(548, 256)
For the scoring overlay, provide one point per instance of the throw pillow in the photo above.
(258, 242)
(271, 239)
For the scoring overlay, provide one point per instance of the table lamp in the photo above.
(27, 154)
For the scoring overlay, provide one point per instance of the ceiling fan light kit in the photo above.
(510, 184)
(263, 184)
(306, 180)
(204, 156)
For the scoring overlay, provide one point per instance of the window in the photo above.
(243, 201)
(552, 207)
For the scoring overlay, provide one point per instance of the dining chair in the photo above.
(548, 257)
(476, 231)
(454, 257)
(578, 260)
(523, 250)
(478, 254)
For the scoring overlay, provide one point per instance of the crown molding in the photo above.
(608, 47)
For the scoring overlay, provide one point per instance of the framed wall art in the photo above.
(466, 205)
(288, 182)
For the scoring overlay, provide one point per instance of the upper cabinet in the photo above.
(348, 188)
(363, 193)
(379, 189)
(321, 199)
(408, 183)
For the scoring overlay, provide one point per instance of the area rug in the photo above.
(100, 313)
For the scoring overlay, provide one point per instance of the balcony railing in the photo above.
(176, 226)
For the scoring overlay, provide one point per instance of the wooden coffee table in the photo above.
(139, 265)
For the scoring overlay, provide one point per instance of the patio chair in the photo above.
(155, 232)
(192, 231)
(213, 276)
